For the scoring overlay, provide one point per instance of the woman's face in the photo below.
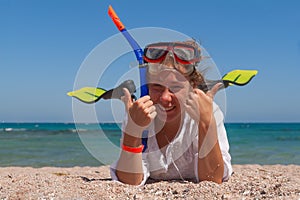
(168, 90)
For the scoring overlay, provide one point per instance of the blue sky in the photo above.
(43, 44)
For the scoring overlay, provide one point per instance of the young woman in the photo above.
(184, 128)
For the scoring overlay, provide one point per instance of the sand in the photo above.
(247, 182)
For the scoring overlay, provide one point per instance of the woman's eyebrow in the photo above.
(156, 85)
(174, 83)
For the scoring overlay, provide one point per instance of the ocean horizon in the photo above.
(64, 144)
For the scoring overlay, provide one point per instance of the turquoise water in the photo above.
(270, 143)
(59, 144)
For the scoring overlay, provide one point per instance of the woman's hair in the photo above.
(196, 79)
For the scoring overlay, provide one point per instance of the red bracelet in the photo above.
(138, 149)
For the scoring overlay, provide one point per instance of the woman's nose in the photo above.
(169, 61)
(166, 96)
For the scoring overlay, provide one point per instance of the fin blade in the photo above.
(239, 77)
(87, 94)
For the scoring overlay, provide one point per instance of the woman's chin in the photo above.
(167, 114)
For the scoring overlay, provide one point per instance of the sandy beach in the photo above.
(247, 182)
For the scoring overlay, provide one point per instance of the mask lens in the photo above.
(154, 53)
(184, 53)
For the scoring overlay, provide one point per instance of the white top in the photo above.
(181, 160)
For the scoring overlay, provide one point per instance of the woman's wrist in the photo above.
(129, 149)
(131, 141)
(133, 129)
(204, 124)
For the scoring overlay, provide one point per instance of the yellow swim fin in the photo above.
(87, 94)
(92, 95)
(239, 77)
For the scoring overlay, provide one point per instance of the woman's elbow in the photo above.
(130, 178)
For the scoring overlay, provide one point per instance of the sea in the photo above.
(69, 144)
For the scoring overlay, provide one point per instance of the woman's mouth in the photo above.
(166, 109)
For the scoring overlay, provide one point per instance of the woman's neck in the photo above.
(167, 131)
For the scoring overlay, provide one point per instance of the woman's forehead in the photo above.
(168, 79)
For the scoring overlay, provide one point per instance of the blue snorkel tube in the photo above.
(136, 48)
(139, 56)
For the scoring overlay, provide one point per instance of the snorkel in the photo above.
(135, 46)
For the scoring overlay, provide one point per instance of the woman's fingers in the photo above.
(151, 111)
(192, 106)
(153, 114)
(127, 98)
(211, 93)
(141, 111)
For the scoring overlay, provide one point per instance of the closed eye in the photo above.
(176, 88)
(156, 87)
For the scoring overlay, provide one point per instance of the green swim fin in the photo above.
(239, 77)
(92, 95)
(88, 94)
(235, 77)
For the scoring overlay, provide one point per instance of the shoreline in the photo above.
(248, 182)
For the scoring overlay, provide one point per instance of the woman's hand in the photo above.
(210, 160)
(200, 105)
(140, 113)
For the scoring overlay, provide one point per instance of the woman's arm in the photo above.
(129, 167)
(140, 114)
(210, 160)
